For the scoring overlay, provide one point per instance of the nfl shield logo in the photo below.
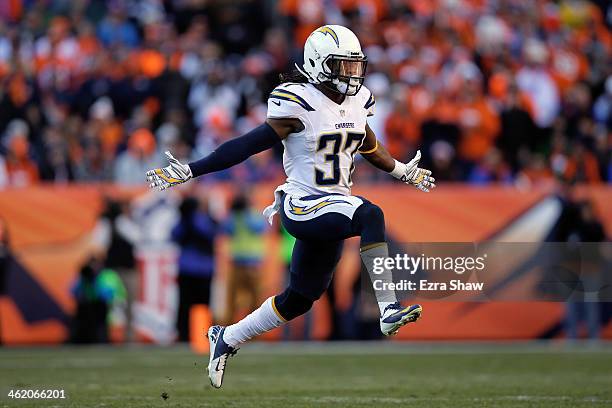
(342, 112)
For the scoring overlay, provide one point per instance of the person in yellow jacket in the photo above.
(245, 227)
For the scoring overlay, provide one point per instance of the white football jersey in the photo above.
(320, 158)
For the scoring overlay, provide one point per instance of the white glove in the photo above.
(410, 173)
(175, 173)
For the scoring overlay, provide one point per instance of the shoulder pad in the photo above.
(282, 93)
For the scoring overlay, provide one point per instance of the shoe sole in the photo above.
(411, 317)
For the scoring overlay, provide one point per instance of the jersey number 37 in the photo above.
(352, 142)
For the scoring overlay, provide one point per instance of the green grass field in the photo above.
(313, 374)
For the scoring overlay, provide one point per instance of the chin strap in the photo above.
(306, 74)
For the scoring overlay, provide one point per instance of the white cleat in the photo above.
(219, 353)
(396, 316)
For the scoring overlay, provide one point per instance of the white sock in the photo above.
(384, 298)
(261, 320)
(383, 305)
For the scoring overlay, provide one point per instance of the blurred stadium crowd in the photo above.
(508, 91)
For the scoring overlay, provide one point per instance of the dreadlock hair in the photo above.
(293, 76)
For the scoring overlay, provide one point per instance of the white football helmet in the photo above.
(333, 57)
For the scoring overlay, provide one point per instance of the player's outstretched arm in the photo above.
(225, 156)
(409, 173)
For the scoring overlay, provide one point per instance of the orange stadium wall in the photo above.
(49, 229)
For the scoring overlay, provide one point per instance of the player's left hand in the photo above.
(416, 176)
(166, 177)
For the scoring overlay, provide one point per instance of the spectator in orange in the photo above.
(372, 10)
(139, 156)
(88, 43)
(568, 67)
(401, 129)
(309, 14)
(105, 127)
(582, 165)
(17, 170)
(478, 121)
(504, 92)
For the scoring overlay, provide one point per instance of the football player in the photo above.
(320, 116)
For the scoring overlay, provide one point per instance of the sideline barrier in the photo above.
(50, 228)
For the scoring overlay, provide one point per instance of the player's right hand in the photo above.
(171, 175)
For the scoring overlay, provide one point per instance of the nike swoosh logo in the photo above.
(217, 367)
(276, 103)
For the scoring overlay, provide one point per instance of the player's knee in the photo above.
(372, 212)
(290, 304)
(370, 223)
